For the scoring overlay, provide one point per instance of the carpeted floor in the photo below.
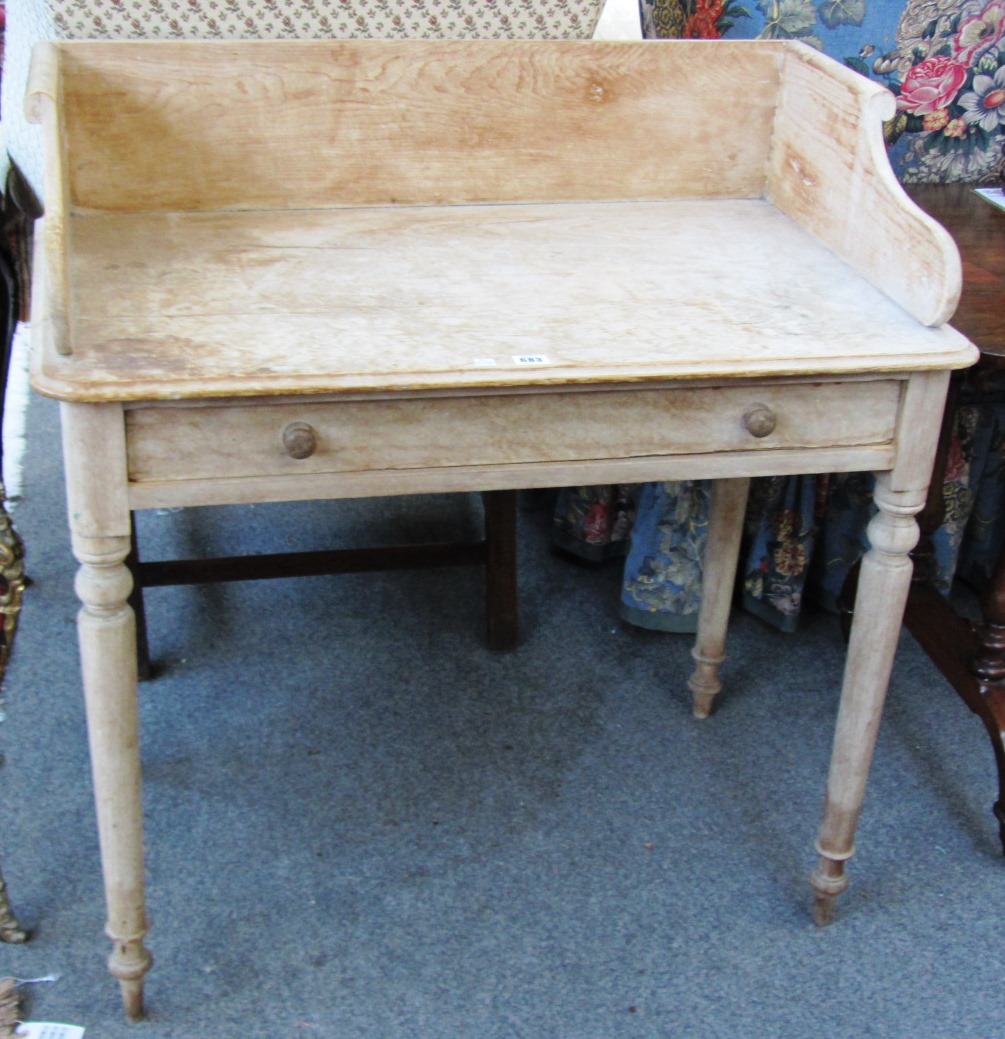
(361, 823)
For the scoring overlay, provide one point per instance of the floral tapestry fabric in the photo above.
(281, 19)
(689, 19)
(782, 524)
(943, 59)
(948, 72)
(594, 522)
(663, 571)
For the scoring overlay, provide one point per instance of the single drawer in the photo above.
(243, 439)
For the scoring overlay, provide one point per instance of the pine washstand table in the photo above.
(274, 271)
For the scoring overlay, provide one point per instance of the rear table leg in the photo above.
(502, 604)
(722, 550)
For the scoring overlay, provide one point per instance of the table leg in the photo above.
(94, 452)
(136, 601)
(722, 550)
(883, 584)
(501, 598)
(107, 632)
(987, 666)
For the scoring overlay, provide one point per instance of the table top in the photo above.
(978, 227)
(433, 298)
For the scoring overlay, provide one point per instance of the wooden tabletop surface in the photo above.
(437, 298)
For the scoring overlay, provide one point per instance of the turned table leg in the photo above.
(94, 453)
(973, 662)
(107, 633)
(884, 581)
(722, 550)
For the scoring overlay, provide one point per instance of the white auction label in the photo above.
(49, 1030)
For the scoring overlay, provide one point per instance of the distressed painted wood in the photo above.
(883, 586)
(94, 453)
(168, 305)
(430, 432)
(301, 270)
(426, 122)
(443, 480)
(833, 178)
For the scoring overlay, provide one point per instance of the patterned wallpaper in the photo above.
(292, 19)
(27, 21)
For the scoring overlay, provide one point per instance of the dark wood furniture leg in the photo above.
(972, 661)
(501, 601)
(144, 668)
(496, 551)
(988, 668)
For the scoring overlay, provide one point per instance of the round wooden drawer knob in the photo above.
(759, 421)
(300, 440)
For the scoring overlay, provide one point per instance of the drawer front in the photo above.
(300, 438)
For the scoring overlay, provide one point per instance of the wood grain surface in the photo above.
(418, 298)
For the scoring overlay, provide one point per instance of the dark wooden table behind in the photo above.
(972, 657)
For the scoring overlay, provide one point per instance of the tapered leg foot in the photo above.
(132, 999)
(129, 962)
(828, 880)
(722, 551)
(704, 683)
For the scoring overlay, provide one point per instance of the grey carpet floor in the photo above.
(361, 823)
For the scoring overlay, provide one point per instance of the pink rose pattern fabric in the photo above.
(931, 85)
(949, 75)
(943, 60)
